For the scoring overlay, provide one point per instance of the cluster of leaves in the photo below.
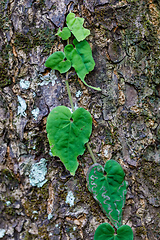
(79, 55)
(68, 132)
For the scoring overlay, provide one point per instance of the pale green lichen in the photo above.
(2, 232)
(34, 94)
(35, 212)
(24, 84)
(22, 107)
(70, 198)
(38, 172)
(50, 153)
(8, 203)
(51, 77)
(78, 94)
(50, 216)
(35, 113)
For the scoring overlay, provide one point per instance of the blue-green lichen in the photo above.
(2, 232)
(38, 172)
(22, 107)
(35, 113)
(70, 198)
(24, 84)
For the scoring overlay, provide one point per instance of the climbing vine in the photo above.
(68, 132)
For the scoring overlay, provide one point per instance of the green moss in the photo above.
(22, 41)
(140, 230)
(3, 17)
(10, 211)
(158, 133)
(6, 174)
(10, 199)
(42, 232)
(37, 201)
(40, 146)
(28, 236)
(104, 16)
(110, 138)
(35, 37)
(9, 179)
(150, 174)
(5, 79)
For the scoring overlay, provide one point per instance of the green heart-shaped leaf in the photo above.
(64, 34)
(81, 59)
(106, 232)
(67, 134)
(56, 61)
(109, 188)
(75, 24)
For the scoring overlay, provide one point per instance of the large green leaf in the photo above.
(67, 134)
(75, 24)
(109, 188)
(106, 232)
(81, 59)
(64, 34)
(56, 61)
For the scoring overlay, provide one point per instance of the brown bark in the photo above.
(125, 43)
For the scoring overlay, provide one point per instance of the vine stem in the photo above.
(69, 92)
(91, 153)
(68, 89)
(72, 106)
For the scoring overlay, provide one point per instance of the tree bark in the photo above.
(125, 39)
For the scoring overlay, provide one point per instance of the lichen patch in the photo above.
(70, 198)
(37, 173)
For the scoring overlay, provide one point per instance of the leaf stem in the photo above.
(91, 153)
(72, 106)
(68, 89)
(69, 92)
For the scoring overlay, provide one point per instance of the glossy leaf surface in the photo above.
(67, 134)
(81, 59)
(106, 232)
(75, 24)
(56, 61)
(64, 34)
(109, 188)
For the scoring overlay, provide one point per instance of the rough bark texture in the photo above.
(125, 42)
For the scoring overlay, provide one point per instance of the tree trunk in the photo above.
(39, 199)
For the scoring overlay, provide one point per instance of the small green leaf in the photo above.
(56, 61)
(106, 232)
(76, 61)
(64, 34)
(84, 50)
(67, 134)
(109, 188)
(81, 59)
(75, 24)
